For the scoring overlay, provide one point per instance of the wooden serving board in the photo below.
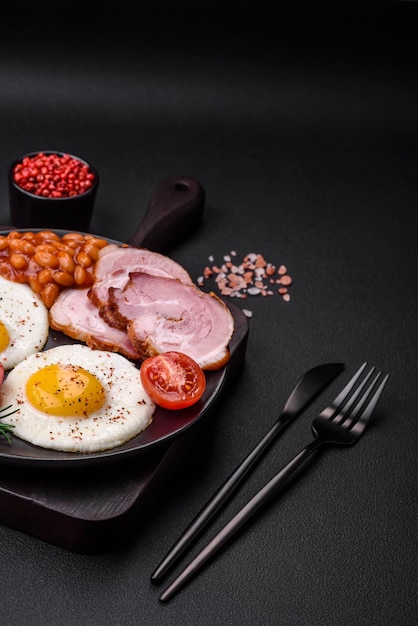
(91, 509)
(87, 511)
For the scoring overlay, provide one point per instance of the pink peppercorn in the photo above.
(53, 175)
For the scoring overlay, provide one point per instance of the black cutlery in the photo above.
(306, 389)
(341, 423)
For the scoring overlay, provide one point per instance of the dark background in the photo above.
(301, 124)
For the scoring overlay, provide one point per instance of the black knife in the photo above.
(306, 389)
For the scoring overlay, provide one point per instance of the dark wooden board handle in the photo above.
(175, 211)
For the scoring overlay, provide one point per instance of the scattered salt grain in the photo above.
(248, 278)
(285, 280)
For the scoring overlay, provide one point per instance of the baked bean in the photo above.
(49, 234)
(96, 241)
(34, 284)
(18, 261)
(4, 243)
(27, 247)
(88, 278)
(44, 276)
(63, 278)
(66, 261)
(72, 244)
(49, 294)
(83, 259)
(29, 235)
(46, 247)
(46, 259)
(14, 244)
(74, 237)
(80, 275)
(92, 251)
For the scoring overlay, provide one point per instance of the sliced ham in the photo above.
(116, 262)
(162, 314)
(74, 314)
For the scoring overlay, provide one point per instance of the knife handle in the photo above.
(232, 527)
(175, 211)
(219, 498)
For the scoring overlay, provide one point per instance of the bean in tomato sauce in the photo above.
(49, 263)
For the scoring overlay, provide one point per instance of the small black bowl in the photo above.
(28, 210)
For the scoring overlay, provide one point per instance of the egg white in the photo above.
(127, 411)
(25, 318)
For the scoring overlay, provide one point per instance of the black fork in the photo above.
(341, 423)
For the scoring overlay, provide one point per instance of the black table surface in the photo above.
(302, 128)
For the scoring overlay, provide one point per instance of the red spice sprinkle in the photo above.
(248, 278)
(53, 175)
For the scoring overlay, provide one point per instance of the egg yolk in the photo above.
(4, 337)
(65, 391)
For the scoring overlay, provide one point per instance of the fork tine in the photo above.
(343, 413)
(367, 412)
(330, 411)
(349, 386)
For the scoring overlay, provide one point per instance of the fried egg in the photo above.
(75, 399)
(24, 323)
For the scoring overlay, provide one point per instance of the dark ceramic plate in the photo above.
(180, 203)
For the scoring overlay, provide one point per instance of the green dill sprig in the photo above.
(6, 430)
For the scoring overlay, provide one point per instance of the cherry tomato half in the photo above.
(173, 380)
